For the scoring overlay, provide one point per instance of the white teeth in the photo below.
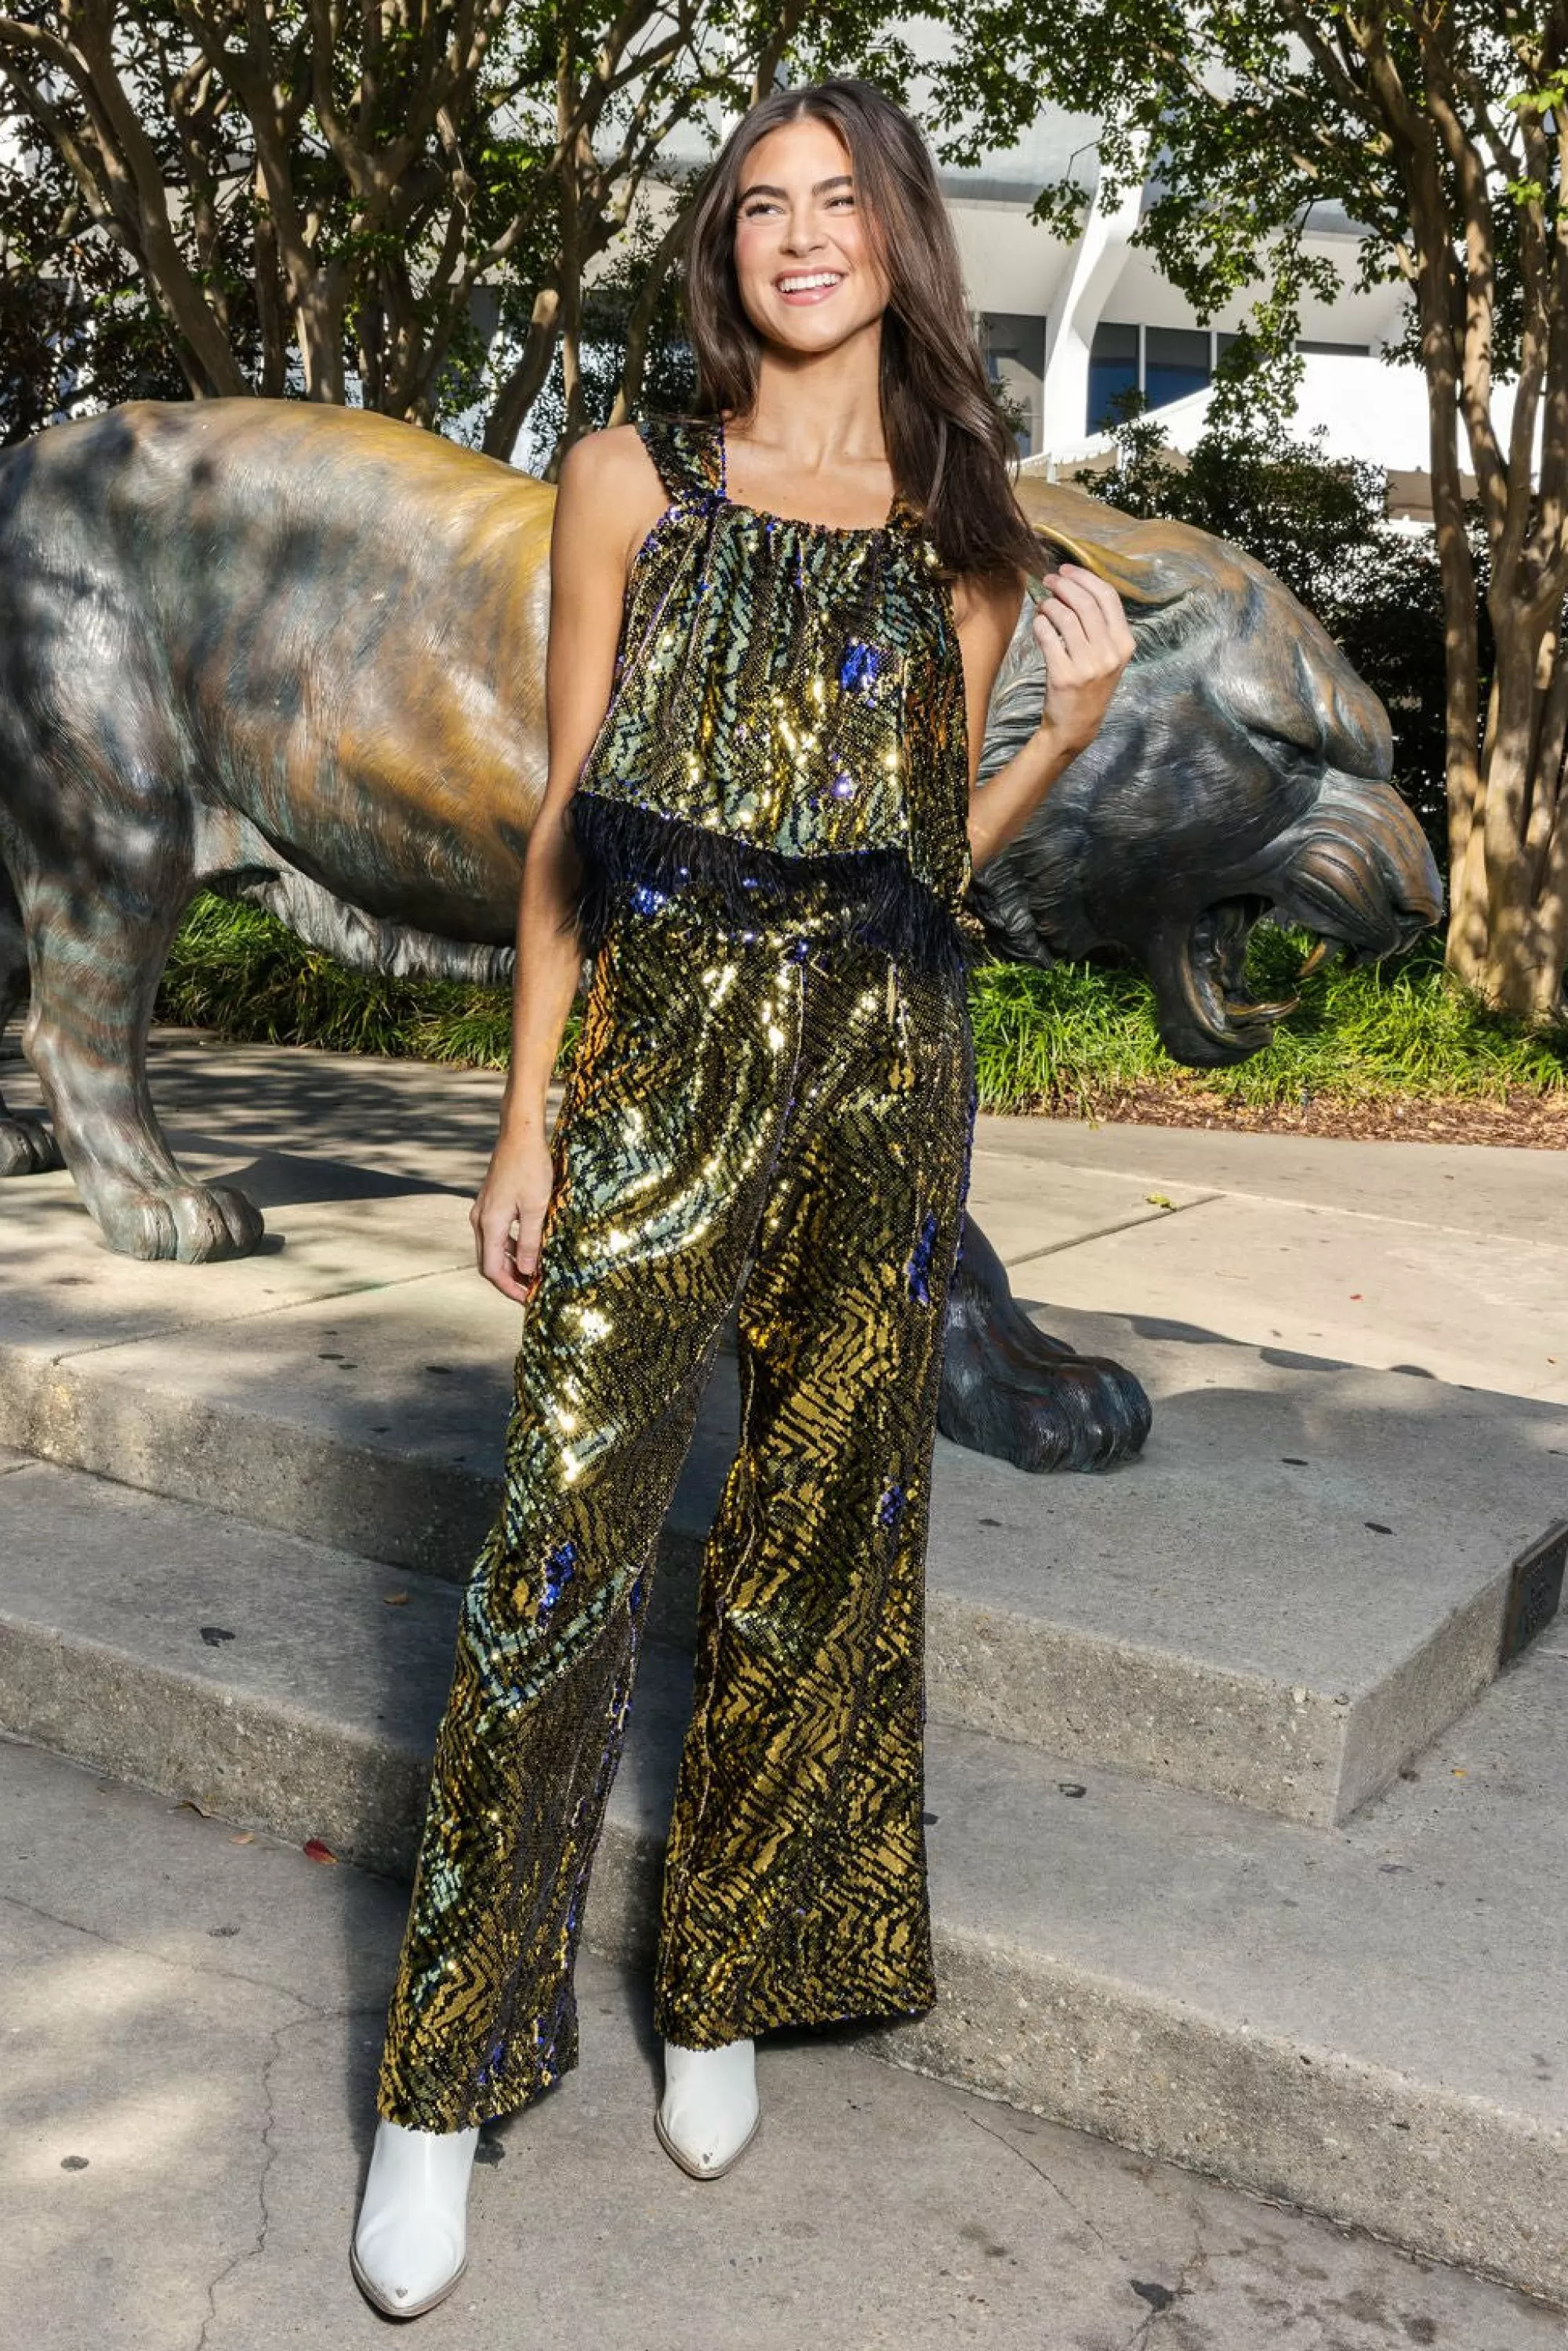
(800, 284)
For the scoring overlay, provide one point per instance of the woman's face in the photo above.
(803, 257)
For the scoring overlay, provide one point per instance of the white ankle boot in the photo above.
(410, 2245)
(709, 2112)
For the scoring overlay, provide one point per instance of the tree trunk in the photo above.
(319, 323)
(269, 309)
(1548, 817)
(1468, 920)
(639, 326)
(1508, 974)
(1508, 936)
(527, 380)
(574, 152)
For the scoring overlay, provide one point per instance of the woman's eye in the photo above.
(755, 210)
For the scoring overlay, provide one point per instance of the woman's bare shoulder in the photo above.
(610, 463)
(610, 488)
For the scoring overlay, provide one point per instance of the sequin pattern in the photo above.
(779, 1115)
(788, 707)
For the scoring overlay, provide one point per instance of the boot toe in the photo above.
(705, 2143)
(405, 2268)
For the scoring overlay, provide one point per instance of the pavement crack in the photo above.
(77, 1351)
(1104, 1232)
(188, 1963)
(1191, 2271)
(1040, 2173)
(257, 2245)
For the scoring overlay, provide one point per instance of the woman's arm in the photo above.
(602, 484)
(1082, 634)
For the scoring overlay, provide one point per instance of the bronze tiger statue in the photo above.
(295, 654)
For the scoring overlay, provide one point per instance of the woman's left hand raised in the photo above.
(1082, 634)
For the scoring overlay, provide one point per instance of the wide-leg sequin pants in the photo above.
(780, 1117)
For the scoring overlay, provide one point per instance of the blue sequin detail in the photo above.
(842, 786)
(890, 1505)
(647, 899)
(558, 1571)
(919, 1265)
(861, 665)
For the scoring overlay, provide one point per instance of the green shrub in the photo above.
(1072, 1039)
(235, 969)
(1075, 1037)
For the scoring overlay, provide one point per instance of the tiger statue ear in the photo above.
(1149, 562)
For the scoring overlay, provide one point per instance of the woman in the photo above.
(774, 631)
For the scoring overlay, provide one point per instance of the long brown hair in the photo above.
(947, 443)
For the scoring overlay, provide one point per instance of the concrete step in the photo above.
(1297, 1588)
(1364, 2020)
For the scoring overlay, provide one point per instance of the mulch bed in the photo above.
(1525, 1121)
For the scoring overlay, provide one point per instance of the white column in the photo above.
(1096, 264)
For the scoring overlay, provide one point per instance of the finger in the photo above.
(1060, 606)
(1086, 595)
(522, 1256)
(520, 1292)
(1077, 575)
(1106, 644)
(523, 1245)
(1064, 623)
(1061, 667)
(1101, 593)
(496, 1244)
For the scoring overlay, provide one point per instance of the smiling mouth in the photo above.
(808, 286)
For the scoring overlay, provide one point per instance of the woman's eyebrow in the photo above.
(758, 188)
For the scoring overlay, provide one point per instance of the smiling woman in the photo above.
(774, 629)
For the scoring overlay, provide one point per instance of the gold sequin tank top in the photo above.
(788, 712)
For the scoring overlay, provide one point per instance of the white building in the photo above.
(1066, 325)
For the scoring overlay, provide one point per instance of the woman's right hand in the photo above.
(509, 1214)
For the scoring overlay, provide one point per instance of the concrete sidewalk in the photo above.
(1442, 1260)
(192, 2027)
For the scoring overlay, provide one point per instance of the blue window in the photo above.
(1112, 368)
(1175, 361)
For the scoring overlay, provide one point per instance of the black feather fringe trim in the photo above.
(624, 846)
